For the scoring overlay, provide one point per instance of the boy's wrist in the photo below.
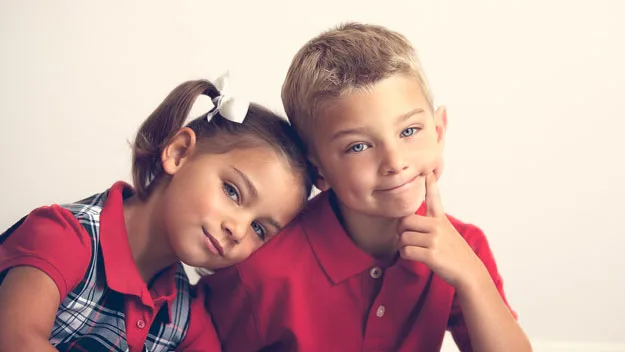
(474, 283)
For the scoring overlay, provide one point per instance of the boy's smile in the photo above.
(375, 147)
(400, 187)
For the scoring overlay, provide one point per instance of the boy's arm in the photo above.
(29, 300)
(481, 319)
(460, 261)
(42, 258)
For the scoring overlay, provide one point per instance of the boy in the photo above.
(373, 263)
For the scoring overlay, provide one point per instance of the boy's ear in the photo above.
(440, 120)
(319, 181)
(178, 150)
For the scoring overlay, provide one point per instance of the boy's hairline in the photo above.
(324, 103)
(311, 86)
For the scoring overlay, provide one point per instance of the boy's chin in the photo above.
(400, 212)
(403, 207)
(400, 209)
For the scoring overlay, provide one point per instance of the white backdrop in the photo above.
(536, 119)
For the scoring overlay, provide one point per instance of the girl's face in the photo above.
(216, 209)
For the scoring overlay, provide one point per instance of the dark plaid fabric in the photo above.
(91, 318)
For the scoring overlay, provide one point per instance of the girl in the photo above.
(104, 273)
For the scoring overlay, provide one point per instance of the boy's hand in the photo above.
(433, 240)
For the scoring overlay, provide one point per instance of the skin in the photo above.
(212, 210)
(380, 151)
(209, 211)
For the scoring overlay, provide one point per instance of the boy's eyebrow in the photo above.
(359, 130)
(248, 184)
(339, 134)
(409, 114)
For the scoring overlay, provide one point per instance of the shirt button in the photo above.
(380, 312)
(140, 324)
(375, 272)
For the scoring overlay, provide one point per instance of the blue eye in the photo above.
(357, 148)
(409, 132)
(259, 229)
(231, 192)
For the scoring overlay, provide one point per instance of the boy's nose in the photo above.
(393, 162)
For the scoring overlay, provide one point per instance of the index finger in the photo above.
(432, 197)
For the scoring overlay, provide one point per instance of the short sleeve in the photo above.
(52, 240)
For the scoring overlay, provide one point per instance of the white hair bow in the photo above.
(229, 107)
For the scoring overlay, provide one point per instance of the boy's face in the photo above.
(374, 148)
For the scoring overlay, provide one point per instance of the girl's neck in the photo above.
(148, 242)
(376, 236)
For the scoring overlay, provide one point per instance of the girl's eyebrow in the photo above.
(248, 184)
(275, 224)
(252, 190)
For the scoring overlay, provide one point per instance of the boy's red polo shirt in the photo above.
(312, 289)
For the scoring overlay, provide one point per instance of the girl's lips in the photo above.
(212, 244)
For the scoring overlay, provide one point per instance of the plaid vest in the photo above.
(91, 318)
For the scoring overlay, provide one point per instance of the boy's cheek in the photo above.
(429, 160)
(438, 166)
(353, 177)
(439, 171)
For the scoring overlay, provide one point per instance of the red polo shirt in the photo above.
(53, 240)
(312, 289)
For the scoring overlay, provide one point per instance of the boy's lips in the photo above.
(213, 244)
(399, 186)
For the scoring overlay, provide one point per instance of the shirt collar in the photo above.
(120, 269)
(339, 257)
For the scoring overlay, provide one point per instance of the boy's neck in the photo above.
(376, 236)
(148, 244)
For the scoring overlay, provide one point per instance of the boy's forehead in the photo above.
(385, 102)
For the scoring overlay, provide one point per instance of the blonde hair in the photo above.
(340, 61)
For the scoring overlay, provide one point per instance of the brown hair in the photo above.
(219, 135)
(351, 57)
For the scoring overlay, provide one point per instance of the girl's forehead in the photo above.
(263, 167)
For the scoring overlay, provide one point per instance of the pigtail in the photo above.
(157, 130)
